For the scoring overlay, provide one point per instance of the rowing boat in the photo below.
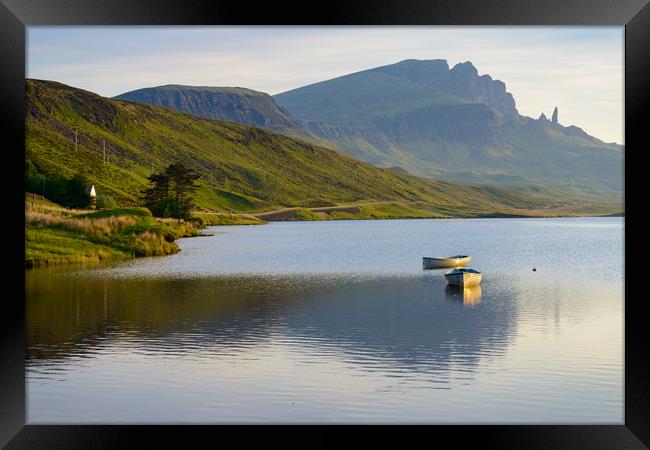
(447, 261)
(463, 277)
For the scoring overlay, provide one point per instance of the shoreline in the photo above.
(56, 236)
(479, 216)
(502, 216)
(416, 210)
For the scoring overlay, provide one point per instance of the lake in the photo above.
(337, 322)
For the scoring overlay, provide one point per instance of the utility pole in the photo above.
(75, 140)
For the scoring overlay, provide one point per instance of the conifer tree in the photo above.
(172, 192)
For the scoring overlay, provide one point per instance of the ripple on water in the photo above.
(337, 322)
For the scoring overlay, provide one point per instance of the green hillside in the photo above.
(242, 169)
(234, 104)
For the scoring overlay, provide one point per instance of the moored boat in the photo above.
(447, 261)
(463, 277)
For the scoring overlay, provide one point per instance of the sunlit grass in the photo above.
(56, 236)
(207, 219)
(243, 169)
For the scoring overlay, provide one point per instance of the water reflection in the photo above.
(400, 325)
(337, 322)
(469, 295)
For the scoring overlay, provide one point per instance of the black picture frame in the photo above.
(16, 15)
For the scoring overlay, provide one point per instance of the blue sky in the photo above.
(578, 69)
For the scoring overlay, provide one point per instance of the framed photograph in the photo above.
(358, 214)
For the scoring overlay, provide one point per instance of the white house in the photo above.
(90, 188)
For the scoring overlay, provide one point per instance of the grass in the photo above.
(207, 219)
(386, 211)
(51, 246)
(118, 212)
(38, 204)
(418, 210)
(236, 201)
(360, 212)
(242, 169)
(57, 236)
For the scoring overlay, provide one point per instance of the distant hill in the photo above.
(223, 103)
(234, 104)
(453, 124)
(242, 168)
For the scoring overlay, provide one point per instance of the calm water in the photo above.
(336, 322)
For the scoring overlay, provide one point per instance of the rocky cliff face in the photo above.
(234, 104)
(469, 123)
(467, 84)
(453, 124)
(462, 81)
(423, 116)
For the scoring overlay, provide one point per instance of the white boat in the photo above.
(463, 277)
(447, 261)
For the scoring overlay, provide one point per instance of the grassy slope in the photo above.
(197, 100)
(54, 235)
(416, 210)
(210, 219)
(243, 169)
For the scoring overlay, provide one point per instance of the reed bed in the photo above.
(53, 210)
(101, 227)
(56, 236)
(148, 243)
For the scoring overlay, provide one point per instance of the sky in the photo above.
(578, 69)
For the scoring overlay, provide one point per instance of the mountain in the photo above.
(117, 144)
(223, 103)
(234, 104)
(454, 124)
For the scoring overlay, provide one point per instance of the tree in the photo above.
(184, 184)
(171, 193)
(105, 201)
(156, 196)
(34, 181)
(77, 195)
(70, 192)
(55, 188)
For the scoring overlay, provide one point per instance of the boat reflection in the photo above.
(393, 324)
(470, 295)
